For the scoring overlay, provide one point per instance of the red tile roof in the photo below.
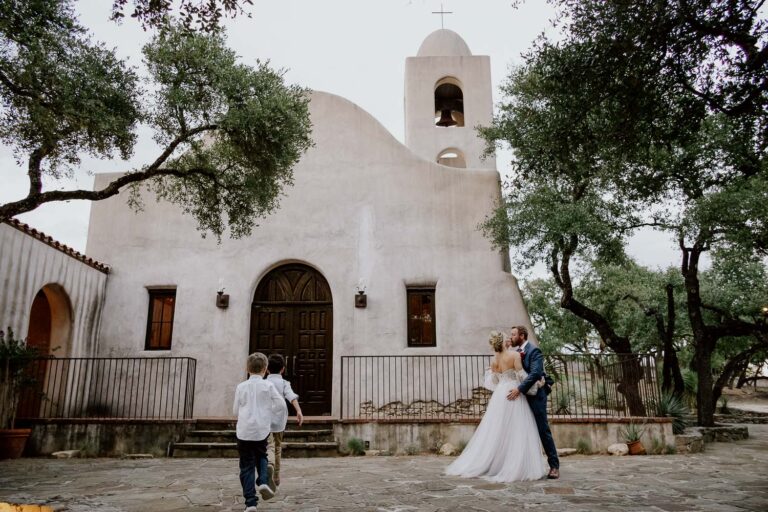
(39, 235)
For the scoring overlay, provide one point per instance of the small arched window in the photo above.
(452, 158)
(449, 103)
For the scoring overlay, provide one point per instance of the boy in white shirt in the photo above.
(276, 367)
(257, 404)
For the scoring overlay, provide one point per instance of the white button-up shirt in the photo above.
(283, 386)
(257, 405)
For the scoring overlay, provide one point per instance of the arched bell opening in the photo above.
(449, 103)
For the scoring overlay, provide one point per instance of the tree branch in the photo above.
(35, 197)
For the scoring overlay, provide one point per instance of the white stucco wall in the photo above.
(363, 206)
(28, 264)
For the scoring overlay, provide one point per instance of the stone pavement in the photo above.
(726, 477)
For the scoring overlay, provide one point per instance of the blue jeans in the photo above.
(538, 405)
(253, 459)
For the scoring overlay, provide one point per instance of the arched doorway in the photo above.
(292, 315)
(49, 331)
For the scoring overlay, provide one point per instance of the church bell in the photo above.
(446, 119)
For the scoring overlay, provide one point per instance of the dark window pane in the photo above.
(421, 317)
(160, 319)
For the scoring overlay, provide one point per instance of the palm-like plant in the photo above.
(671, 406)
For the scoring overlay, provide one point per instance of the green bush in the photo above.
(657, 447)
(583, 446)
(563, 403)
(724, 405)
(670, 406)
(411, 449)
(632, 432)
(356, 446)
(691, 381)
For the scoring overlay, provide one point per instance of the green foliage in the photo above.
(356, 446)
(205, 16)
(691, 380)
(670, 449)
(411, 449)
(724, 405)
(230, 134)
(563, 403)
(583, 446)
(657, 446)
(671, 406)
(642, 113)
(15, 357)
(631, 432)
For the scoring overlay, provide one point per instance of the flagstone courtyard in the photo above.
(726, 477)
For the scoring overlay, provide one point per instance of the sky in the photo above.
(352, 48)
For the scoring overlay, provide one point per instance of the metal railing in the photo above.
(109, 387)
(451, 387)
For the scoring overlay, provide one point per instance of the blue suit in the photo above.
(533, 364)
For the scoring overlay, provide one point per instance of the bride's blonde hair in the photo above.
(496, 340)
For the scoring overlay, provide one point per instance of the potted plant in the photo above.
(15, 356)
(632, 434)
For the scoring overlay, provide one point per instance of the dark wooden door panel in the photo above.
(293, 315)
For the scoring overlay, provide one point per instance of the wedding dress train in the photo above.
(506, 446)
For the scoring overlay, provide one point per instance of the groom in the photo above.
(533, 364)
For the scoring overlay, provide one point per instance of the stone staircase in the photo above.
(215, 438)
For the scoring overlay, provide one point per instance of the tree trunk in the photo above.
(705, 405)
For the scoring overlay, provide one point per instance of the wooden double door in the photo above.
(292, 315)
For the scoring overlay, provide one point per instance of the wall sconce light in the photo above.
(222, 299)
(361, 299)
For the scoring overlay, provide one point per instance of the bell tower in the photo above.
(448, 94)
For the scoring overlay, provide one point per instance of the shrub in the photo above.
(724, 405)
(563, 404)
(356, 446)
(600, 398)
(15, 358)
(411, 449)
(583, 446)
(632, 432)
(671, 449)
(691, 381)
(671, 406)
(657, 447)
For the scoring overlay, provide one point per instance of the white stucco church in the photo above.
(398, 222)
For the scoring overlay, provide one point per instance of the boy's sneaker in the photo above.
(271, 482)
(265, 492)
(250, 509)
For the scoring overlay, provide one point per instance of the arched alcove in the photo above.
(452, 157)
(50, 321)
(449, 103)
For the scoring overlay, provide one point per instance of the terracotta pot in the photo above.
(12, 442)
(636, 448)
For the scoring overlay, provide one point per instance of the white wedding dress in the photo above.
(506, 446)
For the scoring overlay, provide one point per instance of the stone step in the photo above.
(223, 436)
(228, 450)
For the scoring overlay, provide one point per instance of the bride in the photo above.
(506, 446)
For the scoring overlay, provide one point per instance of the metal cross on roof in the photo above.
(442, 12)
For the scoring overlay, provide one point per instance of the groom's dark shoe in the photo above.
(554, 474)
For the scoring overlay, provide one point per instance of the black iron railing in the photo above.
(109, 387)
(451, 387)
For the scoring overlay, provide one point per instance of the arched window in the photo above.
(449, 103)
(452, 158)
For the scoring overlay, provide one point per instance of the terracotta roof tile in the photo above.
(39, 235)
